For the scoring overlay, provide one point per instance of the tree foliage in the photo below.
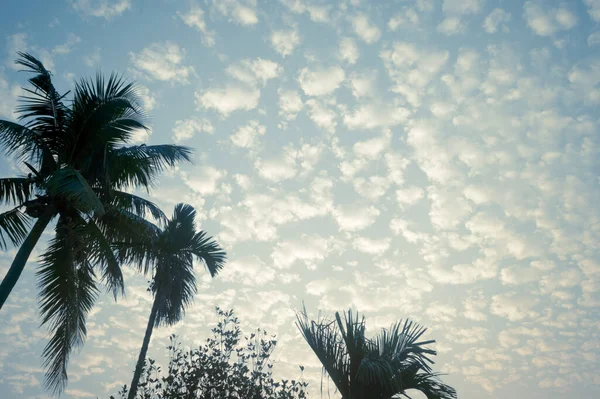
(383, 367)
(227, 366)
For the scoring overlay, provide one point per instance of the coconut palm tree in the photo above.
(169, 254)
(383, 367)
(81, 173)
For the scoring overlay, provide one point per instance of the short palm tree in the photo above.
(383, 367)
(169, 254)
(81, 173)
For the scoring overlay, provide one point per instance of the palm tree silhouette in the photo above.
(170, 255)
(82, 173)
(383, 367)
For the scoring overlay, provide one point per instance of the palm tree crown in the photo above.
(169, 254)
(81, 171)
(379, 368)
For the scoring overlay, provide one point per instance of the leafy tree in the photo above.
(225, 367)
(81, 175)
(170, 254)
(383, 367)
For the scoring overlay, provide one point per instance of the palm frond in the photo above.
(159, 156)
(136, 205)
(14, 226)
(15, 190)
(67, 293)
(324, 339)
(100, 253)
(174, 286)
(43, 104)
(19, 141)
(71, 185)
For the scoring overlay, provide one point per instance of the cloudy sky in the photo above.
(431, 159)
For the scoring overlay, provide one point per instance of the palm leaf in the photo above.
(15, 190)
(136, 205)
(67, 294)
(14, 225)
(71, 185)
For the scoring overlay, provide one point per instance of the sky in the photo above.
(430, 159)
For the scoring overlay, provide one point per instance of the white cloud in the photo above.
(348, 51)
(321, 81)
(362, 84)
(278, 168)
(163, 61)
(497, 20)
(322, 114)
(548, 21)
(187, 128)
(407, 18)
(241, 12)
(101, 8)
(462, 6)
(593, 9)
(594, 39)
(225, 100)
(247, 270)
(412, 68)
(290, 104)
(194, 18)
(255, 72)
(373, 116)
(8, 97)
(368, 32)
(285, 41)
(309, 249)
(247, 136)
(514, 306)
(355, 217)
(204, 180)
(451, 26)
(148, 99)
(409, 196)
(371, 246)
(68, 46)
(93, 58)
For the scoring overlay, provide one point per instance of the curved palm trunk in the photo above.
(18, 264)
(139, 367)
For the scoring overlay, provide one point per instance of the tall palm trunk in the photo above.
(18, 264)
(142, 358)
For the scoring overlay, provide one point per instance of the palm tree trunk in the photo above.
(18, 264)
(142, 358)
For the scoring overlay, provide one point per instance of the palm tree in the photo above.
(170, 254)
(81, 173)
(383, 367)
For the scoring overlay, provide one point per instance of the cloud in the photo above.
(101, 8)
(496, 21)
(290, 104)
(309, 249)
(164, 62)
(187, 128)
(407, 18)
(348, 50)
(247, 136)
(322, 114)
(462, 6)
(513, 306)
(194, 18)
(548, 21)
(232, 97)
(255, 72)
(451, 26)
(354, 217)
(374, 116)
(204, 180)
(593, 39)
(364, 29)
(68, 46)
(285, 41)
(593, 9)
(316, 12)
(371, 246)
(321, 81)
(247, 270)
(241, 12)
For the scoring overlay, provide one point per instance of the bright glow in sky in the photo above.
(432, 159)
